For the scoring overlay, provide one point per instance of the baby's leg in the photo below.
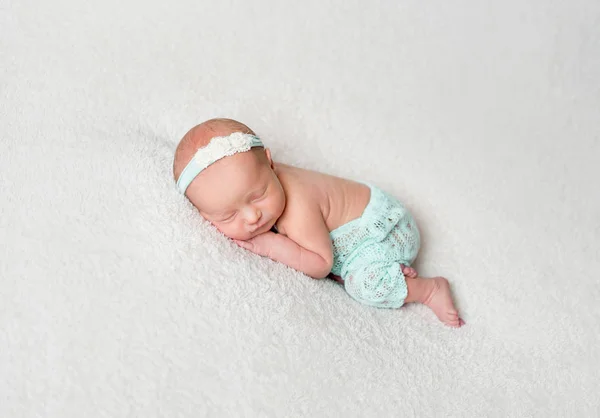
(435, 293)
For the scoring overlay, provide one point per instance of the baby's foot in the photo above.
(409, 272)
(440, 302)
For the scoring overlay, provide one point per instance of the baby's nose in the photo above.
(253, 216)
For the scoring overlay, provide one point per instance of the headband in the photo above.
(219, 147)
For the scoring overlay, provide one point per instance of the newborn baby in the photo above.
(315, 223)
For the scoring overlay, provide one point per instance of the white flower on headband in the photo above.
(221, 147)
(218, 147)
(238, 140)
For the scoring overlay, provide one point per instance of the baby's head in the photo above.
(239, 193)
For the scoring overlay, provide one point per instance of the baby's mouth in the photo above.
(262, 226)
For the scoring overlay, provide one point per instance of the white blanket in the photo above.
(116, 299)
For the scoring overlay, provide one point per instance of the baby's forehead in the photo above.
(228, 179)
(248, 161)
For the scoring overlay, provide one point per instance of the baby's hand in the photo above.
(409, 272)
(261, 244)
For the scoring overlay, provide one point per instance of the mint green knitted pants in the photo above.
(368, 251)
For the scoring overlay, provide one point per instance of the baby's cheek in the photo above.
(225, 231)
(276, 205)
(233, 230)
(222, 228)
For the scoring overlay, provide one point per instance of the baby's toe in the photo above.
(409, 272)
(454, 323)
(452, 319)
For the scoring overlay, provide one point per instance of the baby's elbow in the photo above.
(315, 265)
(318, 276)
(323, 270)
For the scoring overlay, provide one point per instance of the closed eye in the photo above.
(229, 218)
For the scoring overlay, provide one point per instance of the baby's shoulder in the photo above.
(304, 193)
(299, 182)
(301, 176)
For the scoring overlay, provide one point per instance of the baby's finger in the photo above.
(244, 244)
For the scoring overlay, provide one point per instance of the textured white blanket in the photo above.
(117, 300)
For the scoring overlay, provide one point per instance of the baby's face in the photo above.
(240, 195)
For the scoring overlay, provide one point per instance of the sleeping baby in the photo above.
(321, 225)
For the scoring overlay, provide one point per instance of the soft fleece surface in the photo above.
(118, 300)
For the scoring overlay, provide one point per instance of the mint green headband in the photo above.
(219, 147)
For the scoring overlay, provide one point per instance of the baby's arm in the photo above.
(284, 250)
(307, 246)
(306, 228)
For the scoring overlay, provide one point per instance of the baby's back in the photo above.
(340, 200)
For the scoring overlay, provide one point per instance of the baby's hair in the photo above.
(200, 135)
(234, 125)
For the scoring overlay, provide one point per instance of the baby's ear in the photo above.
(268, 153)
